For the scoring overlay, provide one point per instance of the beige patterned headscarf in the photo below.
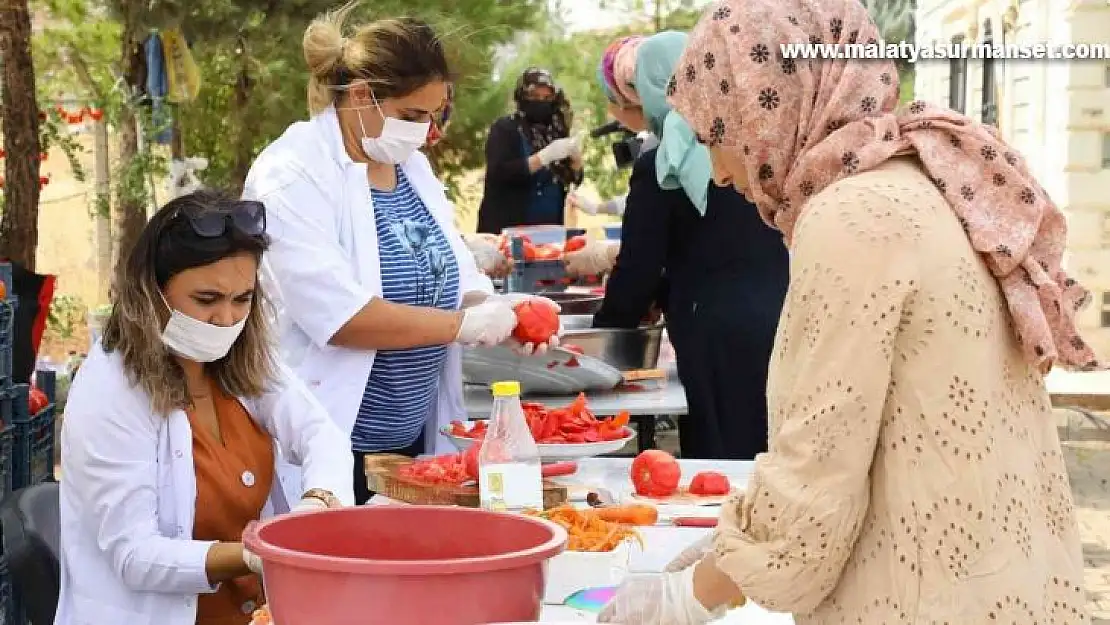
(799, 125)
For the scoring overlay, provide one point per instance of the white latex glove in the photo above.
(528, 348)
(665, 599)
(691, 555)
(597, 257)
(614, 206)
(253, 562)
(487, 255)
(576, 151)
(559, 149)
(583, 203)
(487, 324)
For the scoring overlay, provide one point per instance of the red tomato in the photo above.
(655, 473)
(36, 401)
(529, 251)
(535, 322)
(575, 243)
(710, 483)
(547, 252)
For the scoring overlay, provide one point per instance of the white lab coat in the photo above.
(128, 493)
(323, 265)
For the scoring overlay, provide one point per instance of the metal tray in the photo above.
(572, 304)
(625, 349)
(557, 372)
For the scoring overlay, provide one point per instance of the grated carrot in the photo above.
(587, 531)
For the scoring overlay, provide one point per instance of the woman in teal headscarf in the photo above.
(699, 252)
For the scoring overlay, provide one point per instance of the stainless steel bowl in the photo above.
(625, 349)
(576, 304)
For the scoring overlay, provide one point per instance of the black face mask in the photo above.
(537, 112)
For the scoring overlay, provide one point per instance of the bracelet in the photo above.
(329, 499)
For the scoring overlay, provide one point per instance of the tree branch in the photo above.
(83, 73)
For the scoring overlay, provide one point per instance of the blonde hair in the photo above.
(394, 56)
(166, 247)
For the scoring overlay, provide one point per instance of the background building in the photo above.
(1056, 112)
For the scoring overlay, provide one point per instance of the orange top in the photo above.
(233, 484)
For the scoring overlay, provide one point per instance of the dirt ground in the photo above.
(1089, 470)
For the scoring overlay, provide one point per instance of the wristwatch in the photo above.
(325, 496)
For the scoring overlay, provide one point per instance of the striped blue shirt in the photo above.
(419, 269)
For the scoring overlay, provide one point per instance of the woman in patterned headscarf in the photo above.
(531, 159)
(914, 474)
(697, 251)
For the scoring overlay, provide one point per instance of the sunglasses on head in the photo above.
(246, 216)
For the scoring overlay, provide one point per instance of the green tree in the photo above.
(269, 62)
(573, 57)
(895, 19)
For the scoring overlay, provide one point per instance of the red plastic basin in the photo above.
(404, 565)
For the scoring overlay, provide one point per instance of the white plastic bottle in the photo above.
(509, 477)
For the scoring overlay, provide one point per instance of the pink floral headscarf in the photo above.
(624, 70)
(801, 125)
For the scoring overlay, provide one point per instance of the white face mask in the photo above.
(199, 341)
(399, 139)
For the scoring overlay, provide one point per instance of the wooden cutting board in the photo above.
(638, 375)
(383, 478)
(685, 498)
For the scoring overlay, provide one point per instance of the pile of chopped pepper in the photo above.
(569, 424)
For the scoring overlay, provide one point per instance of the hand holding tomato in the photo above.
(538, 325)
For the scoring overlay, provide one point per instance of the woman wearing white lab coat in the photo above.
(146, 428)
(377, 289)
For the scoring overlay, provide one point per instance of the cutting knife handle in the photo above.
(559, 469)
(686, 521)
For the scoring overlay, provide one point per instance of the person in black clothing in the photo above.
(531, 159)
(720, 279)
(702, 254)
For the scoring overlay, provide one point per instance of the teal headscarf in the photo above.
(680, 162)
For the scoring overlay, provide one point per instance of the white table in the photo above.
(661, 543)
(1083, 390)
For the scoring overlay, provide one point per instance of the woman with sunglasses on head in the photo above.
(376, 289)
(695, 250)
(914, 473)
(531, 159)
(174, 426)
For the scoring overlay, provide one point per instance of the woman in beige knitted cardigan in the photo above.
(914, 473)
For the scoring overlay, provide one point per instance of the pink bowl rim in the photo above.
(252, 540)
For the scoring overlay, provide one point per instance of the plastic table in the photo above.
(663, 543)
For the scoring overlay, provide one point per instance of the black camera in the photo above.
(625, 151)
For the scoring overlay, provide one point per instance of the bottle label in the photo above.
(510, 487)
